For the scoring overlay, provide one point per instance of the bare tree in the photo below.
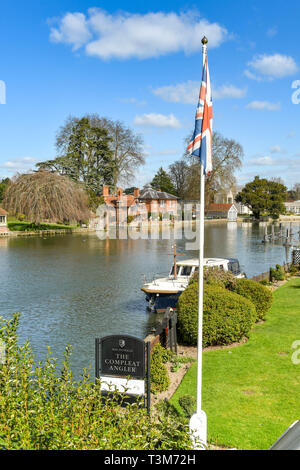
(227, 155)
(180, 176)
(46, 196)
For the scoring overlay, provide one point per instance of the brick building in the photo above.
(137, 204)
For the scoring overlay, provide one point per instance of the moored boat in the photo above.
(162, 293)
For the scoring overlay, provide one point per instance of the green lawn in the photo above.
(251, 392)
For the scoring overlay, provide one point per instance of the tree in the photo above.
(125, 147)
(294, 193)
(162, 182)
(180, 176)
(46, 196)
(262, 195)
(3, 185)
(85, 156)
(227, 155)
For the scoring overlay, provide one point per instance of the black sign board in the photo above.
(121, 356)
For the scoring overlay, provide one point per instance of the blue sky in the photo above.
(141, 64)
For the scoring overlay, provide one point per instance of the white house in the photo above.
(292, 206)
(222, 211)
(3, 221)
(227, 196)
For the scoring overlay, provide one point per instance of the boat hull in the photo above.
(161, 302)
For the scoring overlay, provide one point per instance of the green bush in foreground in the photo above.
(42, 407)
(159, 374)
(259, 295)
(227, 316)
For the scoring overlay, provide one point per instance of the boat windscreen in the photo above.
(234, 267)
(186, 271)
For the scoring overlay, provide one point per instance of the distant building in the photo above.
(3, 221)
(158, 201)
(227, 196)
(292, 206)
(222, 211)
(137, 204)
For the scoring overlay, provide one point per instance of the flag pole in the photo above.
(198, 422)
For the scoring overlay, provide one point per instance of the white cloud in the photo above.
(188, 92)
(271, 66)
(18, 164)
(276, 149)
(263, 106)
(228, 91)
(157, 120)
(127, 35)
(73, 30)
(262, 161)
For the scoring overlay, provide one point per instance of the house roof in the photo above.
(214, 207)
(3, 212)
(149, 193)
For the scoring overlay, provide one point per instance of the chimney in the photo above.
(136, 193)
(105, 190)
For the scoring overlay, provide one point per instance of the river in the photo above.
(74, 288)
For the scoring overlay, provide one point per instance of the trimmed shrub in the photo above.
(158, 372)
(277, 274)
(259, 295)
(227, 316)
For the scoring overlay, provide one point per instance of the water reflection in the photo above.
(73, 288)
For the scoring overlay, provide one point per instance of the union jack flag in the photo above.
(201, 143)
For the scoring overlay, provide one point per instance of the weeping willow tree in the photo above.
(46, 196)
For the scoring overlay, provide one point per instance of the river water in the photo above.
(74, 288)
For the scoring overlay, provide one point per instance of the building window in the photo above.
(162, 203)
(2, 219)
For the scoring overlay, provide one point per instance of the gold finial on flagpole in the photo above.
(204, 40)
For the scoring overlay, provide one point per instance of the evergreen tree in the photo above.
(162, 182)
(86, 157)
(263, 196)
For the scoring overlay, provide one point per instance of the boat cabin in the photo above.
(188, 267)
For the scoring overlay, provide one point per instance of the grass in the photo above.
(251, 392)
(25, 226)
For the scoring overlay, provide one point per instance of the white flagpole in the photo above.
(198, 422)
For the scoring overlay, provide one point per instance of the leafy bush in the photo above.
(259, 295)
(158, 372)
(217, 277)
(277, 274)
(43, 408)
(227, 316)
(188, 403)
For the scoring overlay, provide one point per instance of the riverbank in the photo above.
(17, 233)
(250, 392)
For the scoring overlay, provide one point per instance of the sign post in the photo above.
(120, 365)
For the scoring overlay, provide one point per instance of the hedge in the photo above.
(259, 295)
(227, 316)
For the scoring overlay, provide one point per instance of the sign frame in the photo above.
(121, 357)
